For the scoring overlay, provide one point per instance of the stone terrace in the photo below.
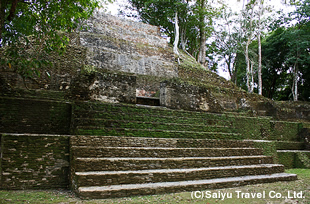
(168, 151)
(116, 150)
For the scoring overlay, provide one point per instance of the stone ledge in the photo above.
(160, 152)
(171, 187)
(126, 164)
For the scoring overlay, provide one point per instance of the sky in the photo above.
(235, 5)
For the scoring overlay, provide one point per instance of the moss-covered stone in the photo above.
(287, 159)
(20, 115)
(289, 145)
(258, 128)
(105, 86)
(34, 161)
(288, 131)
(268, 147)
(294, 158)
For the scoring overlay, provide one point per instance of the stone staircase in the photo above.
(124, 150)
(111, 166)
(139, 121)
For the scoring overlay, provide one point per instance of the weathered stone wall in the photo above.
(34, 161)
(256, 128)
(188, 97)
(289, 131)
(122, 45)
(56, 76)
(109, 43)
(106, 87)
(19, 115)
(148, 86)
(294, 159)
(292, 110)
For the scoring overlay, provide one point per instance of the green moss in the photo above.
(306, 125)
(287, 159)
(158, 133)
(289, 145)
(302, 160)
(294, 159)
(118, 108)
(285, 131)
(28, 158)
(146, 122)
(259, 128)
(268, 147)
(253, 127)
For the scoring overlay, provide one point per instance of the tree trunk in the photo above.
(228, 62)
(295, 75)
(202, 33)
(252, 78)
(202, 50)
(260, 81)
(176, 39)
(183, 39)
(247, 60)
(295, 83)
(296, 89)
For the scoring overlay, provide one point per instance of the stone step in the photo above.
(126, 164)
(236, 113)
(130, 124)
(100, 192)
(137, 109)
(295, 151)
(102, 178)
(290, 145)
(294, 158)
(160, 152)
(152, 117)
(93, 130)
(116, 141)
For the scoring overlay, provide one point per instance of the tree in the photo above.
(260, 13)
(274, 53)
(300, 52)
(162, 13)
(286, 54)
(201, 6)
(176, 40)
(226, 42)
(195, 18)
(41, 22)
(241, 65)
(205, 16)
(252, 21)
(248, 30)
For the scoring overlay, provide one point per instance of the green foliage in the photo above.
(162, 12)
(225, 45)
(30, 30)
(274, 54)
(285, 52)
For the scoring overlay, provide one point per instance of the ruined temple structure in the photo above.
(118, 116)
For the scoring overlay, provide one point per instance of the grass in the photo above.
(64, 197)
